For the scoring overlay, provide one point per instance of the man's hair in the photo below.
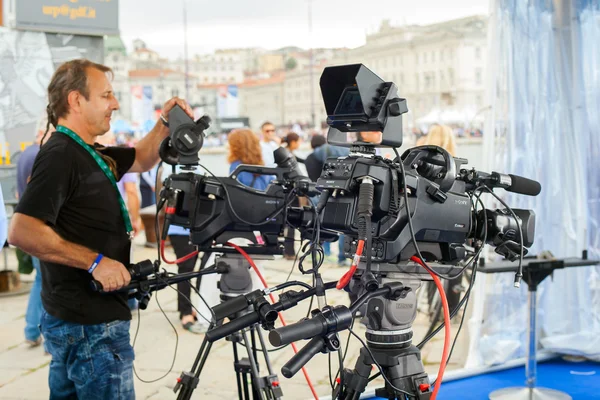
(265, 124)
(70, 76)
(317, 141)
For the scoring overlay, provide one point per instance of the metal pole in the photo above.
(311, 56)
(531, 365)
(185, 49)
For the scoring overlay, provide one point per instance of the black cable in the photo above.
(519, 274)
(190, 301)
(158, 209)
(295, 261)
(468, 292)
(462, 319)
(345, 350)
(266, 220)
(379, 366)
(176, 344)
(411, 228)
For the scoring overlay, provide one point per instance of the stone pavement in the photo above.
(24, 370)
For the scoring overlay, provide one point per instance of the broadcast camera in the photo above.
(217, 209)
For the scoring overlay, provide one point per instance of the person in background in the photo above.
(34, 311)
(440, 135)
(269, 143)
(292, 142)
(314, 165)
(244, 148)
(147, 189)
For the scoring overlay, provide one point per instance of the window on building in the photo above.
(478, 53)
(478, 76)
(417, 58)
(174, 92)
(441, 55)
(479, 100)
(425, 58)
(451, 76)
(433, 56)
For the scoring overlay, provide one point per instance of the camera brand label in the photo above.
(271, 202)
(400, 306)
(461, 202)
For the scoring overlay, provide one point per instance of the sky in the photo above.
(273, 24)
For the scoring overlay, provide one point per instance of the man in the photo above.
(33, 314)
(72, 217)
(269, 143)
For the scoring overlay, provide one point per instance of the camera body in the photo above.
(441, 218)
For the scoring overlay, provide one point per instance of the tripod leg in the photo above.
(355, 381)
(189, 380)
(271, 382)
(253, 365)
(238, 372)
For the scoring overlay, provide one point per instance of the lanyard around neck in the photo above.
(105, 168)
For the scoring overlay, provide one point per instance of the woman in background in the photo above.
(244, 148)
(440, 135)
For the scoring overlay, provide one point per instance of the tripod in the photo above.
(235, 282)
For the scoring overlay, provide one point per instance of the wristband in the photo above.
(164, 120)
(95, 263)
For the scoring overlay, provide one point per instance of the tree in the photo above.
(291, 63)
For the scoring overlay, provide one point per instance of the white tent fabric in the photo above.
(544, 124)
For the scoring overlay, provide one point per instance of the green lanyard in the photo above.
(102, 164)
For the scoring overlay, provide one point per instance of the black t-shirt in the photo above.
(70, 192)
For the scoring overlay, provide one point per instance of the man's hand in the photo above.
(111, 274)
(181, 103)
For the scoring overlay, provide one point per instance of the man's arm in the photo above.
(146, 151)
(38, 239)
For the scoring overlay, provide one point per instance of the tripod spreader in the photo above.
(286, 300)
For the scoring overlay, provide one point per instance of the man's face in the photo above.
(98, 109)
(268, 132)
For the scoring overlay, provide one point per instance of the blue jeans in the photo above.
(89, 361)
(33, 314)
(340, 243)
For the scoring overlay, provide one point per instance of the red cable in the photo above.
(182, 259)
(345, 279)
(251, 261)
(438, 380)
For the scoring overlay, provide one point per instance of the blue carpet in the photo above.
(572, 378)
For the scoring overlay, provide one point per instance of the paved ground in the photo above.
(24, 370)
